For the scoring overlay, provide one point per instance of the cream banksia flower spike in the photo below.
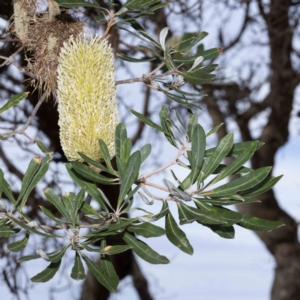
(87, 97)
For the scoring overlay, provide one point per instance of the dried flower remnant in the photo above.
(87, 97)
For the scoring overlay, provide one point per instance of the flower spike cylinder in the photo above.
(87, 97)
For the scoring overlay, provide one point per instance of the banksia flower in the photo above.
(87, 97)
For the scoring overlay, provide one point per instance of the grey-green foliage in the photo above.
(196, 196)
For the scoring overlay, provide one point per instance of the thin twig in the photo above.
(26, 125)
(8, 60)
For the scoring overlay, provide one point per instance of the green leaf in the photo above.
(112, 250)
(145, 152)
(6, 231)
(77, 3)
(237, 163)
(31, 229)
(262, 187)
(190, 39)
(139, 4)
(144, 251)
(236, 149)
(147, 230)
(94, 163)
(38, 176)
(120, 136)
(47, 274)
(57, 202)
(147, 121)
(111, 283)
(197, 77)
(130, 175)
(258, 224)
(28, 257)
(13, 101)
(44, 148)
(167, 127)
(243, 183)
(92, 175)
(188, 214)
(8, 193)
(68, 200)
(101, 19)
(86, 186)
(226, 232)
(49, 214)
(30, 172)
(108, 267)
(121, 165)
(242, 170)
(198, 149)
(78, 203)
(163, 212)
(78, 272)
(88, 210)
(106, 155)
(218, 155)
(176, 236)
(215, 129)
(18, 245)
(58, 254)
(191, 125)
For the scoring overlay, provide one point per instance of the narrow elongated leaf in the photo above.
(167, 126)
(14, 100)
(108, 267)
(243, 183)
(57, 202)
(49, 214)
(94, 163)
(197, 77)
(38, 176)
(112, 250)
(258, 224)
(6, 231)
(120, 136)
(218, 155)
(77, 3)
(143, 250)
(78, 203)
(47, 274)
(101, 274)
(188, 214)
(191, 125)
(213, 130)
(145, 152)
(147, 230)
(43, 147)
(58, 254)
(68, 200)
(106, 155)
(198, 150)
(262, 187)
(90, 188)
(28, 176)
(130, 174)
(163, 212)
(88, 210)
(190, 39)
(78, 272)
(28, 257)
(18, 245)
(231, 217)
(92, 175)
(226, 232)
(236, 149)
(121, 165)
(127, 147)
(176, 236)
(139, 4)
(147, 121)
(237, 163)
(8, 193)
(31, 229)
